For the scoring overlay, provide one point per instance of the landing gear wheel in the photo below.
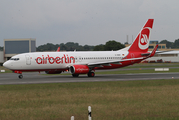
(20, 76)
(91, 74)
(75, 75)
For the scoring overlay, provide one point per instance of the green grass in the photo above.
(6, 70)
(125, 100)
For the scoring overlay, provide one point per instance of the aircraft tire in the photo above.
(91, 74)
(20, 76)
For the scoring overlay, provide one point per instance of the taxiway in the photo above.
(34, 78)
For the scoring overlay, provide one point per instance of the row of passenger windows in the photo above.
(15, 59)
(86, 58)
(81, 58)
(89, 58)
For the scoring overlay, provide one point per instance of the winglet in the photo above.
(153, 52)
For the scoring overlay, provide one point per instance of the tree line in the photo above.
(1, 48)
(169, 44)
(110, 45)
(71, 46)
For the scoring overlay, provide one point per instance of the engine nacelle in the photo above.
(53, 72)
(79, 69)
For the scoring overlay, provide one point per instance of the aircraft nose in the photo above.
(7, 64)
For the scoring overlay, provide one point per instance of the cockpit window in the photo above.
(15, 59)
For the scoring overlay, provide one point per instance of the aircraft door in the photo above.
(132, 56)
(28, 61)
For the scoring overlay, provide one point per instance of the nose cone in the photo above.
(7, 65)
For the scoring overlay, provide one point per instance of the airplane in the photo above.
(80, 62)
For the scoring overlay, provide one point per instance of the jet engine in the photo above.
(79, 69)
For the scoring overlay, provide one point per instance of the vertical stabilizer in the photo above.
(141, 43)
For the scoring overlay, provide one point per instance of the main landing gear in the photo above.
(20, 73)
(90, 74)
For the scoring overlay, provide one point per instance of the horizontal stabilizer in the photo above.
(145, 54)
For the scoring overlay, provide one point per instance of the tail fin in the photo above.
(58, 50)
(141, 43)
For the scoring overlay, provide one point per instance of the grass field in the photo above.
(7, 70)
(124, 100)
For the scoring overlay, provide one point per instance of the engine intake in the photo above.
(79, 69)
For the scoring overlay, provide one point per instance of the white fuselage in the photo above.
(84, 62)
(60, 60)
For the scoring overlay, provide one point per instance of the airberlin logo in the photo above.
(82, 69)
(55, 60)
(144, 38)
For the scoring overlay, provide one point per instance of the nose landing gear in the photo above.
(20, 76)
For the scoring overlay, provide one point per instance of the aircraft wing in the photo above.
(158, 52)
(107, 63)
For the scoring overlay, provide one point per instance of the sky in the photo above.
(90, 22)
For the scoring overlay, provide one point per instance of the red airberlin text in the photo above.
(55, 60)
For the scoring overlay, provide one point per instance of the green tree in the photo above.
(113, 45)
(1, 48)
(176, 43)
(69, 46)
(62, 46)
(110, 45)
(88, 48)
(168, 43)
(47, 47)
(99, 47)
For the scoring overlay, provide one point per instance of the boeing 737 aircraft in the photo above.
(84, 62)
